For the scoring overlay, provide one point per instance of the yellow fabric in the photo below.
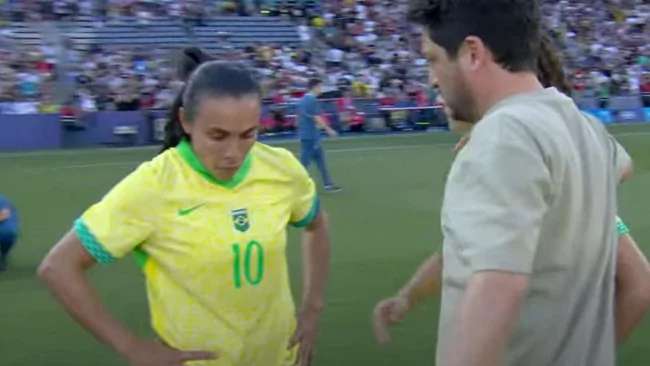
(49, 108)
(318, 22)
(360, 89)
(204, 285)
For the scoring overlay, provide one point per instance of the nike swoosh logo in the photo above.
(187, 211)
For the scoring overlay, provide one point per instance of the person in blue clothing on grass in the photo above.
(310, 121)
(8, 230)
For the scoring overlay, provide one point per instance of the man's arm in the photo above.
(500, 292)
(320, 122)
(632, 287)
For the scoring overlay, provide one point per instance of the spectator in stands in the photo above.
(128, 97)
(363, 40)
(645, 90)
(28, 81)
(351, 118)
(86, 101)
(47, 104)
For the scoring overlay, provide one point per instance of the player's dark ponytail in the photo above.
(549, 67)
(188, 61)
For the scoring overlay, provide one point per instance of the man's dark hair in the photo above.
(314, 83)
(509, 28)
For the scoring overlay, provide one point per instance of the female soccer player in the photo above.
(207, 221)
(632, 267)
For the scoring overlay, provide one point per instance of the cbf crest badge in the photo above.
(240, 220)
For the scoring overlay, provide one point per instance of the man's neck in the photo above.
(504, 86)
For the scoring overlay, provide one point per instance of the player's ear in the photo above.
(185, 124)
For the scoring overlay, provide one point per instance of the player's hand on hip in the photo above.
(305, 336)
(154, 353)
(388, 312)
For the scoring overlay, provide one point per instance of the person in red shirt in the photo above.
(645, 90)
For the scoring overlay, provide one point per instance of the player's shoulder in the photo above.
(278, 159)
(148, 175)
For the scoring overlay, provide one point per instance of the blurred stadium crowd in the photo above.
(362, 49)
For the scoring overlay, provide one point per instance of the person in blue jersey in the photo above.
(310, 123)
(9, 226)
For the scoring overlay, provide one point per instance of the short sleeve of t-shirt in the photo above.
(622, 159)
(311, 106)
(306, 204)
(506, 186)
(122, 220)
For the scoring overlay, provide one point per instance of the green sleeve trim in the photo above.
(141, 257)
(621, 228)
(91, 244)
(311, 215)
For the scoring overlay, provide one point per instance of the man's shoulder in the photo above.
(543, 114)
(308, 98)
(303, 100)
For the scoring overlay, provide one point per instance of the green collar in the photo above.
(184, 148)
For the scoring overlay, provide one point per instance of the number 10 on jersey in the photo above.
(252, 251)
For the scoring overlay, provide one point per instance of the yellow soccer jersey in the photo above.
(213, 252)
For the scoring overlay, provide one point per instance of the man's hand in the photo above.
(331, 132)
(154, 353)
(389, 312)
(305, 336)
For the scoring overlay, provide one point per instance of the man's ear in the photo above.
(473, 53)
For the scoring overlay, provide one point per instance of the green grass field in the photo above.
(384, 223)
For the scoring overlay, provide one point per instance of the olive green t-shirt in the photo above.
(534, 192)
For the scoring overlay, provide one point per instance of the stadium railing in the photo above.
(48, 131)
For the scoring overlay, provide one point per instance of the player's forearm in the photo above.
(316, 261)
(631, 307)
(69, 285)
(632, 299)
(480, 337)
(426, 281)
(627, 172)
